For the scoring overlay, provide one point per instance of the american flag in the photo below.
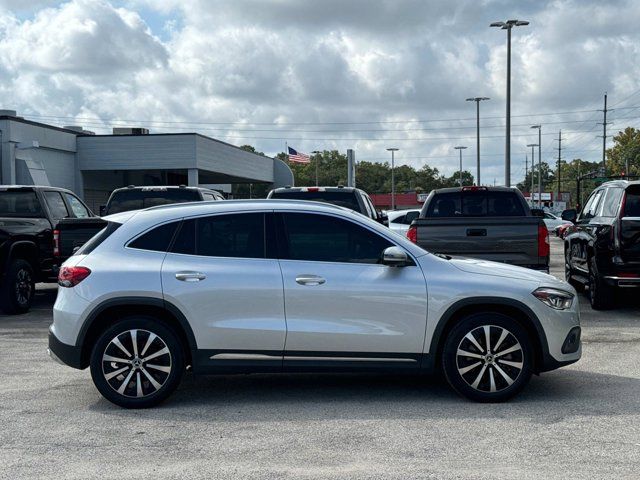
(297, 157)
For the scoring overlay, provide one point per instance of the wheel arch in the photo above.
(26, 250)
(106, 313)
(512, 308)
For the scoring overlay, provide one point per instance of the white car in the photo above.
(282, 286)
(399, 220)
(552, 222)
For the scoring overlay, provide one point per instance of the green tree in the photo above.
(625, 152)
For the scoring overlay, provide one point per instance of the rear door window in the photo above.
(611, 202)
(632, 202)
(56, 205)
(158, 239)
(19, 203)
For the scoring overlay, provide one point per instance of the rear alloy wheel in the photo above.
(601, 295)
(487, 357)
(137, 363)
(18, 287)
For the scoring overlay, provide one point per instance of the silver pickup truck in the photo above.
(491, 223)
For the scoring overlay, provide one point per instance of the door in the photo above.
(217, 274)
(586, 230)
(343, 307)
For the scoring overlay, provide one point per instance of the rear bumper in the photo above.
(70, 355)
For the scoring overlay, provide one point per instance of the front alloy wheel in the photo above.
(137, 363)
(487, 357)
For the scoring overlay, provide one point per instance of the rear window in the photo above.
(98, 238)
(342, 199)
(19, 203)
(475, 204)
(632, 202)
(127, 200)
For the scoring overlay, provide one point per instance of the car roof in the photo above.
(316, 189)
(474, 188)
(156, 188)
(620, 183)
(33, 187)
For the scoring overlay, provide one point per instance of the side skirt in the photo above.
(233, 361)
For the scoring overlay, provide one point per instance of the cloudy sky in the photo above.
(330, 74)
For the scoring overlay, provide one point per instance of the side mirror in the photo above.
(383, 218)
(394, 257)
(103, 210)
(570, 215)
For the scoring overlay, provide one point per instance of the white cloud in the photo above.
(285, 61)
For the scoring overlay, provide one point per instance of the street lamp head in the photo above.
(509, 24)
(477, 99)
(392, 149)
(532, 145)
(497, 24)
(521, 23)
(536, 126)
(460, 148)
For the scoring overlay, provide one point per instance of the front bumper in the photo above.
(70, 355)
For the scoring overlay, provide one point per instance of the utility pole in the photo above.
(532, 145)
(604, 135)
(393, 178)
(508, 25)
(317, 161)
(559, 162)
(460, 150)
(539, 128)
(477, 100)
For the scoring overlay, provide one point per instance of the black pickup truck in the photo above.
(603, 249)
(490, 223)
(29, 252)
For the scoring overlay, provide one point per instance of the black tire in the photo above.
(474, 376)
(601, 295)
(18, 287)
(141, 387)
(568, 273)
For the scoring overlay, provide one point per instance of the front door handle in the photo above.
(311, 280)
(190, 276)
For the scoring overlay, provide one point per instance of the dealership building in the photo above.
(34, 153)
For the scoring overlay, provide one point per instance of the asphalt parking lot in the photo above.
(582, 421)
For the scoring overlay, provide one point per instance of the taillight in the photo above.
(412, 233)
(56, 243)
(71, 276)
(544, 248)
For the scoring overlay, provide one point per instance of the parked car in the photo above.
(271, 286)
(603, 250)
(399, 220)
(28, 253)
(492, 223)
(552, 221)
(71, 235)
(348, 197)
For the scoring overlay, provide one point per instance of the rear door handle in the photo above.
(190, 276)
(476, 232)
(310, 280)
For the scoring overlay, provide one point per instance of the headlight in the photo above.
(557, 299)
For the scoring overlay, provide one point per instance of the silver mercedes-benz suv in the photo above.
(281, 286)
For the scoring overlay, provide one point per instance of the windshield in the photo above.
(342, 199)
(127, 200)
(20, 203)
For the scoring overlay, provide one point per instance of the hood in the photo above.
(485, 267)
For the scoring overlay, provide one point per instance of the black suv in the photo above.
(348, 197)
(603, 251)
(137, 198)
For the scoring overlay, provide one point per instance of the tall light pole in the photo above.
(317, 161)
(508, 25)
(460, 148)
(532, 145)
(539, 128)
(393, 178)
(477, 100)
